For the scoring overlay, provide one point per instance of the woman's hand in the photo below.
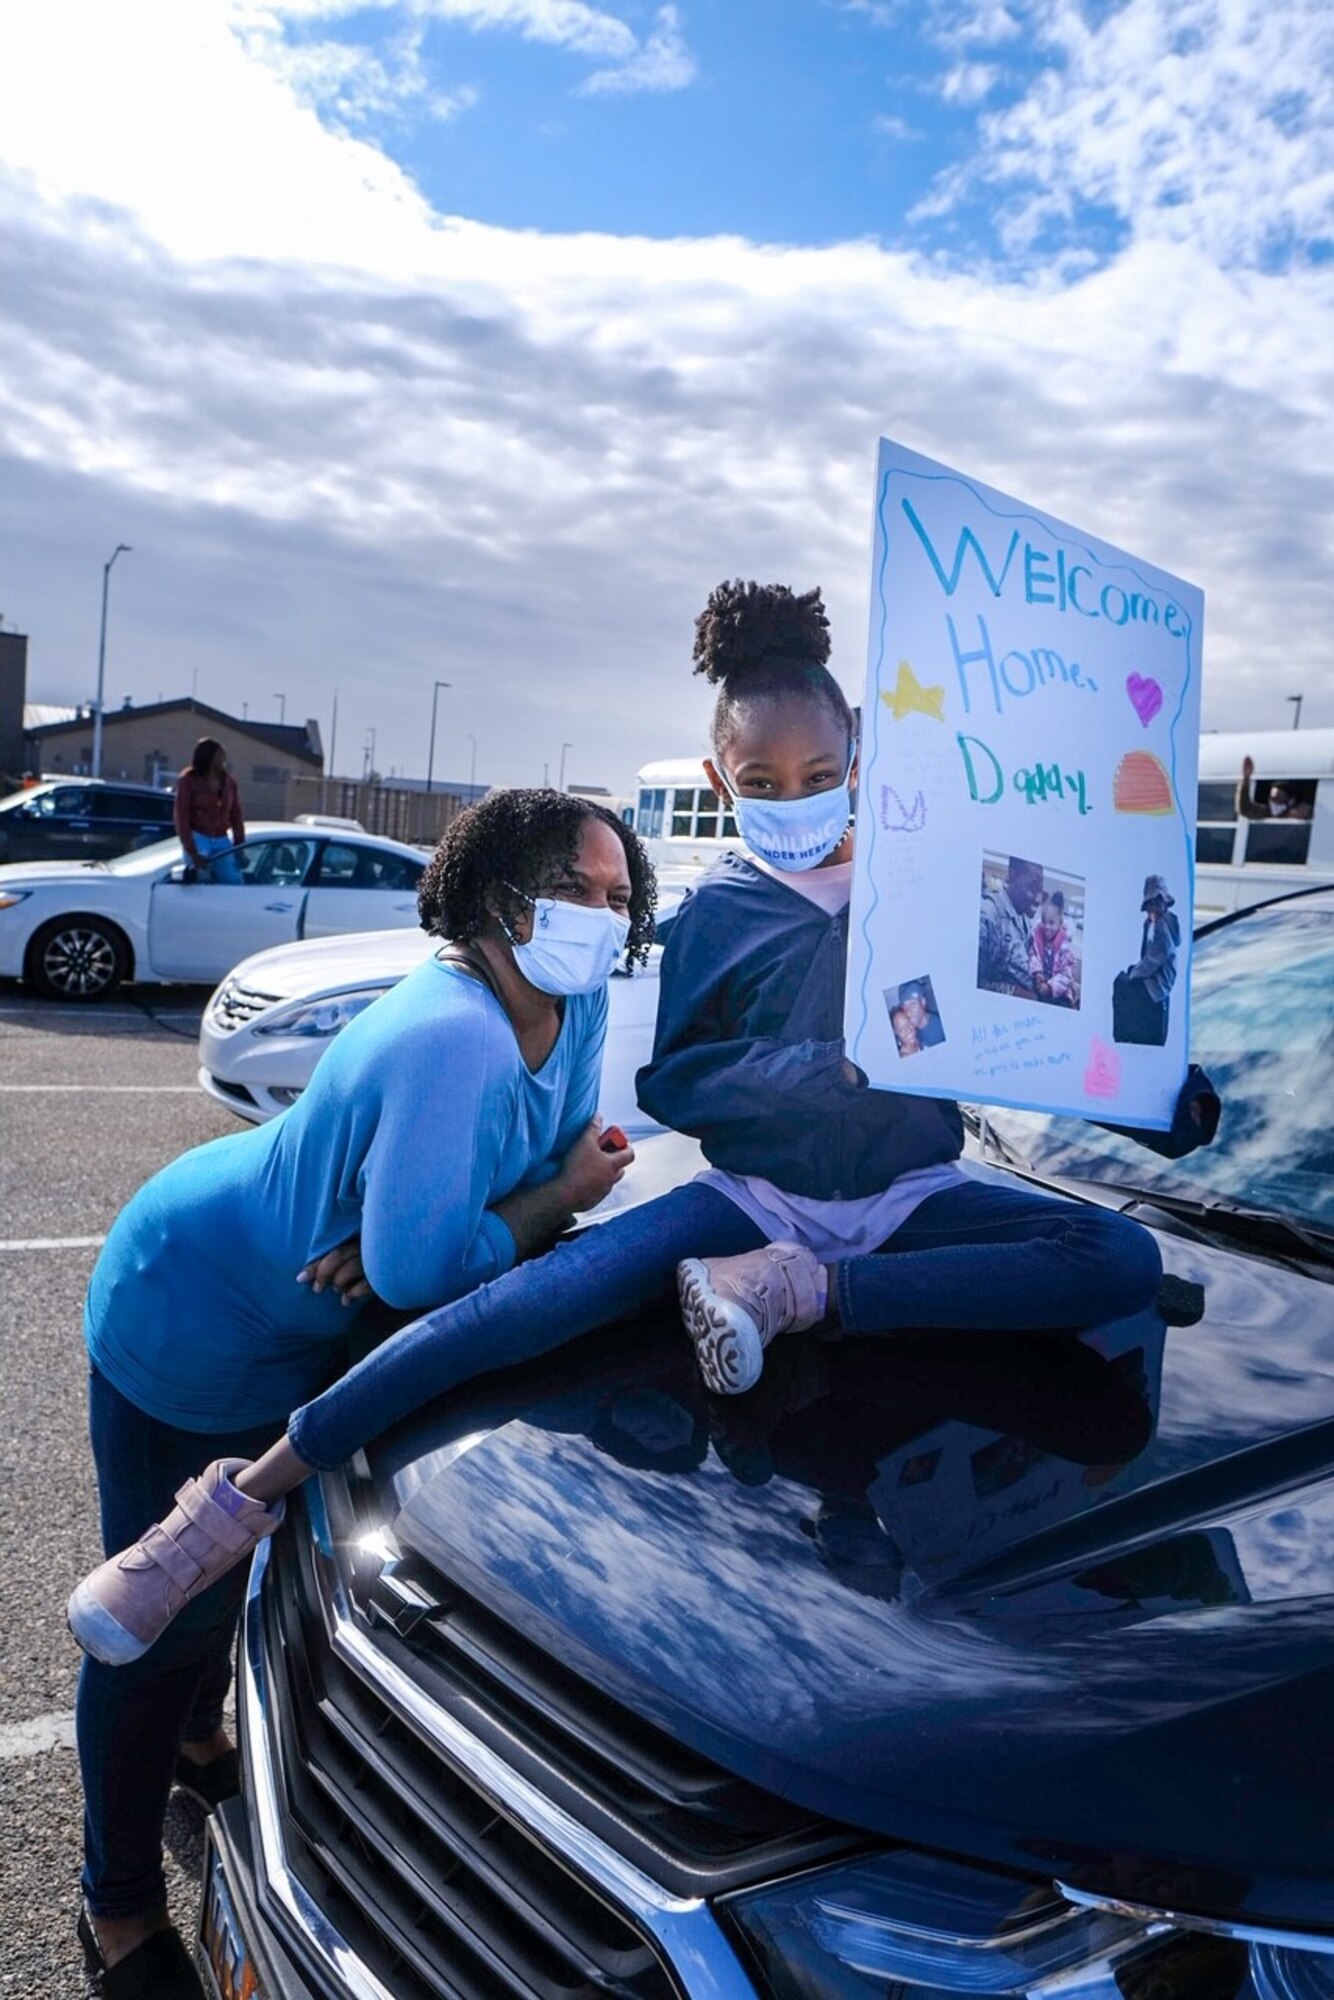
(342, 1268)
(589, 1170)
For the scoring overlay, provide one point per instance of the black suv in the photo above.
(947, 1664)
(81, 819)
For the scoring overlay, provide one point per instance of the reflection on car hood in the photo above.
(45, 874)
(1067, 1603)
(331, 965)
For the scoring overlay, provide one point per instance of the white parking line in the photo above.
(105, 1089)
(44, 1732)
(54, 1243)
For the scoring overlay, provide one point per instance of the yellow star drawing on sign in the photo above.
(911, 697)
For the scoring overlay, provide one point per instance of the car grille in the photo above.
(434, 1891)
(237, 1004)
(440, 1895)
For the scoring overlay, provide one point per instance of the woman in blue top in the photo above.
(823, 1201)
(452, 1130)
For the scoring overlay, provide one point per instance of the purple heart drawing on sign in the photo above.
(1146, 697)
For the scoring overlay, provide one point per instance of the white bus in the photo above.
(1243, 858)
(1238, 859)
(679, 816)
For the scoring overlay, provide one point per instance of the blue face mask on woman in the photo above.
(795, 834)
(572, 949)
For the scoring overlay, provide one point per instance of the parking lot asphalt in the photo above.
(92, 1101)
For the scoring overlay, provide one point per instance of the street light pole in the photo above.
(472, 767)
(1296, 701)
(281, 700)
(121, 549)
(560, 782)
(330, 769)
(430, 755)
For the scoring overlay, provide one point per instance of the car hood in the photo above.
(334, 964)
(47, 874)
(1064, 1603)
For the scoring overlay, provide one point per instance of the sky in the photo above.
(476, 340)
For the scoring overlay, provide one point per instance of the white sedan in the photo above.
(271, 1020)
(75, 930)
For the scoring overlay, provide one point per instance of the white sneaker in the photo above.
(733, 1307)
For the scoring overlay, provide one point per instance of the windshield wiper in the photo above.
(1263, 1228)
(990, 1139)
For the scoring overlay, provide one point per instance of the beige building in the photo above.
(150, 745)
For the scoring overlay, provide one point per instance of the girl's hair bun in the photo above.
(750, 629)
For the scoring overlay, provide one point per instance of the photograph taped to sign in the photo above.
(1025, 808)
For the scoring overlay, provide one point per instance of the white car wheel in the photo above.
(77, 958)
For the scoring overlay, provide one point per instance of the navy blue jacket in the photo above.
(748, 1055)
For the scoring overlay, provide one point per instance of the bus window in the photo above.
(1287, 840)
(1218, 802)
(706, 814)
(1214, 843)
(648, 825)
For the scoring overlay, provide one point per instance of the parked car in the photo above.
(275, 1014)
(944, 1664)
(81, 819)
(74, 931)
(272, 1018)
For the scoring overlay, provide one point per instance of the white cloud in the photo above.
(968, 83)
(354, 86)
(890, 126)
(565, 24)
(662, 63)
(1195, 123)
(352, 440)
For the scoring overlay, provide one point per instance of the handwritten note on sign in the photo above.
(1026, 808)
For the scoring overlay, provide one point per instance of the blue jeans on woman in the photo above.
(215, 850)
(130, 1721)
(983, 1254)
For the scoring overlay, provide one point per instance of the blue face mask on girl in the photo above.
(795, 834)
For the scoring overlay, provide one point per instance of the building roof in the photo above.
(294, 739)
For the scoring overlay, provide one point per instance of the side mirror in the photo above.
(184, 871)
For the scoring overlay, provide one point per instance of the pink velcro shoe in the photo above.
(734, 1306)
(120, 1609)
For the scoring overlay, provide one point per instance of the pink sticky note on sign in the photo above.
(1102, 1078)
(1146, 697)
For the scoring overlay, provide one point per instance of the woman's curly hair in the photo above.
(760, 641)
(514, 845)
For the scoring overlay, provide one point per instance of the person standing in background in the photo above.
(208, 812)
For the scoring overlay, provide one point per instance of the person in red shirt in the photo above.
(208, 812)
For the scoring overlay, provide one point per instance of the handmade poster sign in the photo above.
(1021, 909)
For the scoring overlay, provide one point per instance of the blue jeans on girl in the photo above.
(983, 1255)
(131, 1721)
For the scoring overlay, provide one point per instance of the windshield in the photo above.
(1262, 1026)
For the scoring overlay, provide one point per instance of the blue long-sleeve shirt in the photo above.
(748, 1055)
(420, 1117)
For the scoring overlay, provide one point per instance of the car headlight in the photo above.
(8, 897)
(319, 1018)
(1283, 1972)
(909, 1922)
(924, 1929)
